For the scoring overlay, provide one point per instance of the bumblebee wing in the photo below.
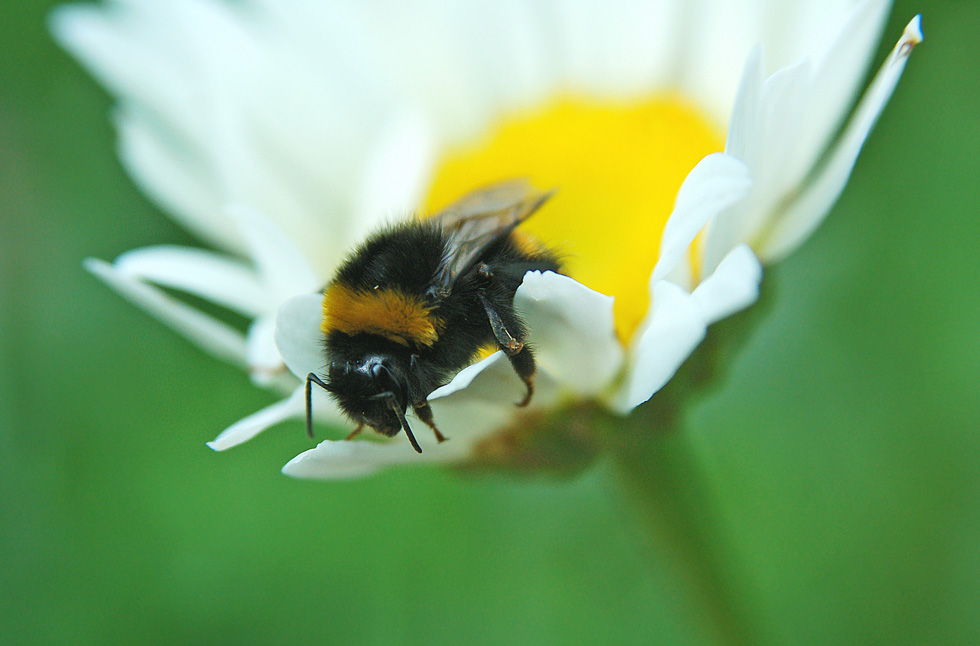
(479, 219)
(487, 199)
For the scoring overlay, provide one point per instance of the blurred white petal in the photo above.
(264, 362)
(616, 49)
(205, 274)
(283, 267)
(397, 171)
(127, 53)
(173, 176)
(208, 333)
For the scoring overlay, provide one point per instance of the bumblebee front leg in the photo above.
(310, 380)
(520, 356)
(424, 413)
(422, 410)
(355, 432)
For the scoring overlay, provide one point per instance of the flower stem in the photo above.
(666, 487)
(664, 475)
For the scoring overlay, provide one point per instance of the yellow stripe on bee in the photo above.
(526, 242)
(391, 313)
(483, 352)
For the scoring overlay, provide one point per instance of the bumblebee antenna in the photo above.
(311, 379)
(404, 423)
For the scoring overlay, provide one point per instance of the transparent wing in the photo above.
(480, 218)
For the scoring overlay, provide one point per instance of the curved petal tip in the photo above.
(913, 32)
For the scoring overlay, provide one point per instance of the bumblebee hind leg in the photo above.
(523, 363)
(521, 357)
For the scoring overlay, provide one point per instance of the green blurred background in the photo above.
(840, 458)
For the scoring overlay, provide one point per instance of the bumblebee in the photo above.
(417, 301)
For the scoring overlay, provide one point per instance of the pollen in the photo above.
(617, 168)
(389, 313)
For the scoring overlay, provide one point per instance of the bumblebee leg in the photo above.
(424, 413)
(507, 342)
(521, 357)
(310, 380)
(523, 363)
(353, 434)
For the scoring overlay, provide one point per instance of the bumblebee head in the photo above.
(373, 391)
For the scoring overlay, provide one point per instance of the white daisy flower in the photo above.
(283, 131)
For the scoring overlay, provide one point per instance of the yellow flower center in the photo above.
(617, 168)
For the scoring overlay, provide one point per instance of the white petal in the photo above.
(282, 265)
(491, 385)
(319, 93)
(480, 400)
(808, 210)
(325, 411)
(213, 277)
(674, 328)
(336, 460)
(732, 287)
(717, 182)
(571, 330)
(298, 334)
(465, 377)
(782, 125)
(245, 429)
(210, 334)
(397, 171)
